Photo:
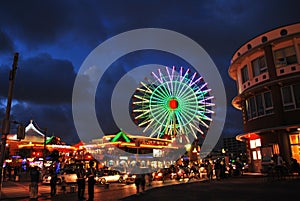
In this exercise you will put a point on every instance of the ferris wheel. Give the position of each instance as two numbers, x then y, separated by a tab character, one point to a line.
172	103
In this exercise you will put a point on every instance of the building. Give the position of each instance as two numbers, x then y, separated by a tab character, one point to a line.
123	150
267	74
234	148
36	148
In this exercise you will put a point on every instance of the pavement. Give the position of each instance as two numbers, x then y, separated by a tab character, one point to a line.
254	187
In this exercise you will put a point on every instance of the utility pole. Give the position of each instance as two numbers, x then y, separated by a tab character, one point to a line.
6	121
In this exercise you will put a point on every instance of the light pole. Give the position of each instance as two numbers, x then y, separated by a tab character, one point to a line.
6	122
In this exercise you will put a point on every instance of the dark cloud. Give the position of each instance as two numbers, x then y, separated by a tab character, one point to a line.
42	79
54	37
6	44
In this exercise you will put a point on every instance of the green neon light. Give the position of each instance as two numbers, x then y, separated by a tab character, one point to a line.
121	134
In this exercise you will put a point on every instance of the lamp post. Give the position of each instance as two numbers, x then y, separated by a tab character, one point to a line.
6	121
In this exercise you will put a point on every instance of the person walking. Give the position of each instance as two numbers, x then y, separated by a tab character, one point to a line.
91	180
64	185
209	171
139	180
53	182
81	181
34	181
217	168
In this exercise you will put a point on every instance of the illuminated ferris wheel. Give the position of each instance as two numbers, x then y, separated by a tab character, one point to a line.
173	103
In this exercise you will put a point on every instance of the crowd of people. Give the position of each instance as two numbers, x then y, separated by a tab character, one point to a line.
83	175
211	169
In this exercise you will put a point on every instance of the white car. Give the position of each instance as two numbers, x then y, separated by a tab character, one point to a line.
69	175
108	176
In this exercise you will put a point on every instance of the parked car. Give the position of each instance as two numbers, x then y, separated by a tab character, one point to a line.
46	179
108	176
163	174
69	175
129	178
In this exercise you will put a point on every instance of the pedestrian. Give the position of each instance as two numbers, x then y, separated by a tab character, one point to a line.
209	170
91	180
64	185
139	179
34	181
53	182
81	181
217	168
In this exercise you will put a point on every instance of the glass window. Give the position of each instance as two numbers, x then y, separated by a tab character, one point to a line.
245	76
258	142
295	146
285	56
248	109
259	105
254	155
258	154
259	66
296	90
287	98
252	107
268	102
252	144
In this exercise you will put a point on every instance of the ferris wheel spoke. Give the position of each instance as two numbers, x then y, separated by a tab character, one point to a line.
173	103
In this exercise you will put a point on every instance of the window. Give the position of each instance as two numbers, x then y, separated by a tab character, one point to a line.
258	155
285	56
252	107
255	143
295	146
254	155
252	144
296	90
259	105
245	76
259	66
291	97
268	102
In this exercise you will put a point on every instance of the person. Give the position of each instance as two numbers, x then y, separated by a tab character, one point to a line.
279	166
91	180
295	167
217	167
53	182
81	181
34	181
63	185
139	179
209	171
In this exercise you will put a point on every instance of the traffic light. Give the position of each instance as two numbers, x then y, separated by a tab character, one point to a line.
21	132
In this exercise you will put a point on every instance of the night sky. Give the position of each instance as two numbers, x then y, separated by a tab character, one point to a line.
54	37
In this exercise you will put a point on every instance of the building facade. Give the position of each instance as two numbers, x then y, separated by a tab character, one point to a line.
234	148
267	74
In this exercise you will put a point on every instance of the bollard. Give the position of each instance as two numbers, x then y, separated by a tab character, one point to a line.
17	178
72	189
106	186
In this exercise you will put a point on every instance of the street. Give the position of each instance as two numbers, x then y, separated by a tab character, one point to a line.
20	190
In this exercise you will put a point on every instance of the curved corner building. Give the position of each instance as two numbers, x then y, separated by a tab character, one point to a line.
267	74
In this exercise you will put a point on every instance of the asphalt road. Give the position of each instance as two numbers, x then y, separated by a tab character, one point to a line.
244	188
